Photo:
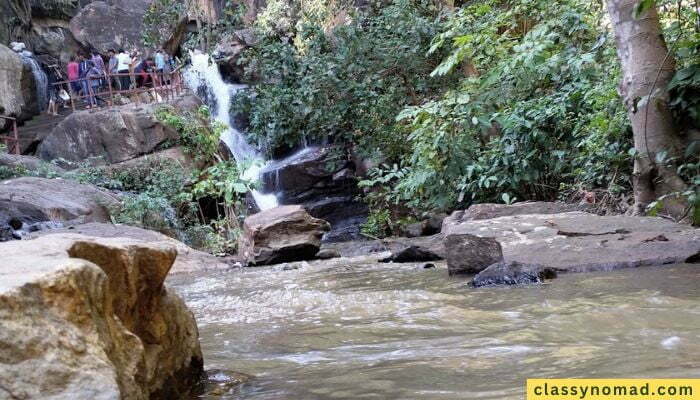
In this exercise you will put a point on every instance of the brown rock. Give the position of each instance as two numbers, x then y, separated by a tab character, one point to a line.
90	318
469	254
188	259
281	234
107	137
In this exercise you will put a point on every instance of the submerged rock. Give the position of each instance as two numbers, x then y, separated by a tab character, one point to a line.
412	254
469	254
90	318
281	234
327	254
513	273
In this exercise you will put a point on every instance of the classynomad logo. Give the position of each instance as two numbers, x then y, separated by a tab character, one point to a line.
613	389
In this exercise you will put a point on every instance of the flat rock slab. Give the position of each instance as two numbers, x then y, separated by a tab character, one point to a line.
188	259
582	242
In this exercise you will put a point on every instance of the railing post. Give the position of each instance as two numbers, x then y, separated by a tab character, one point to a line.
16	136
109	85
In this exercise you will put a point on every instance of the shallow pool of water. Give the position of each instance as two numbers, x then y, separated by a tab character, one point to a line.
356	330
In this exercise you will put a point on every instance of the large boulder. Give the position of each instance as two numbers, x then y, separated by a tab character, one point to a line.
582	242
109	136
91	318
188	259
17	86
281	234
59	199
321	180
116	24
470	254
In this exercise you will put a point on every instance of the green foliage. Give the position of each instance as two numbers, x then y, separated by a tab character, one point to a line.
540	110
160	19
197	134
344	83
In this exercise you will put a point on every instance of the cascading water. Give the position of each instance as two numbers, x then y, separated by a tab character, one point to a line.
203	77
40	78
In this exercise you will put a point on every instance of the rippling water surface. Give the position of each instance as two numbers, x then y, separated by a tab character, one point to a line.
354	330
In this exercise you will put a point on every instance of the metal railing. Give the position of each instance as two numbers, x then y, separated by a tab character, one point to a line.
12	142
92	91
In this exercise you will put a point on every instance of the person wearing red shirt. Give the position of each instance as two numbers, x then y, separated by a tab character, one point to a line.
73	75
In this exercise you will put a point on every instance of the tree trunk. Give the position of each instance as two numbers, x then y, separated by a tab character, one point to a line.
647	68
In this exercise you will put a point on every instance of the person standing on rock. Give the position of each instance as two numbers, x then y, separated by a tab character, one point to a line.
99	63
123	63
83	69
73	71
94	78
159	59
112	69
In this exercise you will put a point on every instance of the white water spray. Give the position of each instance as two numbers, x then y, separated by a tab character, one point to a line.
40	79
204	73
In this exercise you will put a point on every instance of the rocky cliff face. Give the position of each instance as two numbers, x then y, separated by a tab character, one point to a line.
90	318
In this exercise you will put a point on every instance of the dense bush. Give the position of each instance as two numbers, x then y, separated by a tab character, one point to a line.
344	84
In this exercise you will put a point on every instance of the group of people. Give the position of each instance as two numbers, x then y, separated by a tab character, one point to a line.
89	75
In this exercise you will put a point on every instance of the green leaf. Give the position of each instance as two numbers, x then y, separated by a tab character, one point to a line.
642	7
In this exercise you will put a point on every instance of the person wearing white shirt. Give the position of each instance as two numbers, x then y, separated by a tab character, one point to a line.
123	63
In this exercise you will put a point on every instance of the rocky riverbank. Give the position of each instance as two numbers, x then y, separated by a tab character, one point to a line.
86	318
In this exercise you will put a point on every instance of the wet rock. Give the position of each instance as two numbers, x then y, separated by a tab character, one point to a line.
413	230
17	219
221	383
60	199
583	242
469	254
188	259
320	179
513	273
327	254
412	254
281	234
91	318
490	211
105	137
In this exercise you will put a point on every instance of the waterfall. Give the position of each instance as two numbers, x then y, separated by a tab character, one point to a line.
204	78
40	79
